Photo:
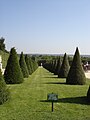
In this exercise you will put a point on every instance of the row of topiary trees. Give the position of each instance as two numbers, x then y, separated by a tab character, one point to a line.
15	72
74	74
17	69
58	66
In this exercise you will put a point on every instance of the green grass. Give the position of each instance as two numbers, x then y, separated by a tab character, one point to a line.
29	100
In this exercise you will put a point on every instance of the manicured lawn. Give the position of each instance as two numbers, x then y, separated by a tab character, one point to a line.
29	99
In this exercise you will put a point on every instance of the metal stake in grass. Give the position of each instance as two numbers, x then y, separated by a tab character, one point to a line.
52	106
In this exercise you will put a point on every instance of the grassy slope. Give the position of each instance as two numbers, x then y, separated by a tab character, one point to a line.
28	100
4	58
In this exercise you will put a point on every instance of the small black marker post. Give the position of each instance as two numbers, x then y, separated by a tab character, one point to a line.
52	106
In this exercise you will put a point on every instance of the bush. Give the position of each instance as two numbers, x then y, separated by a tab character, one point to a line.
76	73
54	66
63	72
13	72
4	92
31	66
88	94
58	66
23	66
27	63
35	65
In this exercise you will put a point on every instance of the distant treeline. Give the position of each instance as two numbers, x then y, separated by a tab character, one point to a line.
46	58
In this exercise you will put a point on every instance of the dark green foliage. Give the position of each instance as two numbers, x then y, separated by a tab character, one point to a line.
63	72
76	74
34	65
51	66
4	92
31	66
55	65
27	63
88	94
2	45
48	66
58	66
33	57
23	66
13	73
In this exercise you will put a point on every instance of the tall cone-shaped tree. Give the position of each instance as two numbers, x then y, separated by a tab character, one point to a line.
23	66
88	94
34	65
58	66
27	63
4	92
76	73
64	67
52	66
55	65
13	73
31	66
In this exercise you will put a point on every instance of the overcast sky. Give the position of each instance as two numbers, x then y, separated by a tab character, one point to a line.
46	26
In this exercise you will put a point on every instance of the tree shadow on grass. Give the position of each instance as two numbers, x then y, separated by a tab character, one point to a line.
74	100
55	83
51	77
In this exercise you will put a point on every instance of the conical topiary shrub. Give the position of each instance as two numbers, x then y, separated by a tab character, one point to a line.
64	67
76	73
31	66
88	94
58	66
4	92
23	66
13	73
27	63
54	67
35	65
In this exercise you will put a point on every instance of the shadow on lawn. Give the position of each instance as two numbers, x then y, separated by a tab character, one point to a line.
55	83
74	100
51	77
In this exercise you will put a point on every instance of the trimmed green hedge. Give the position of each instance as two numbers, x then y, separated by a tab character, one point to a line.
4	92
13	73
76	73
23	66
